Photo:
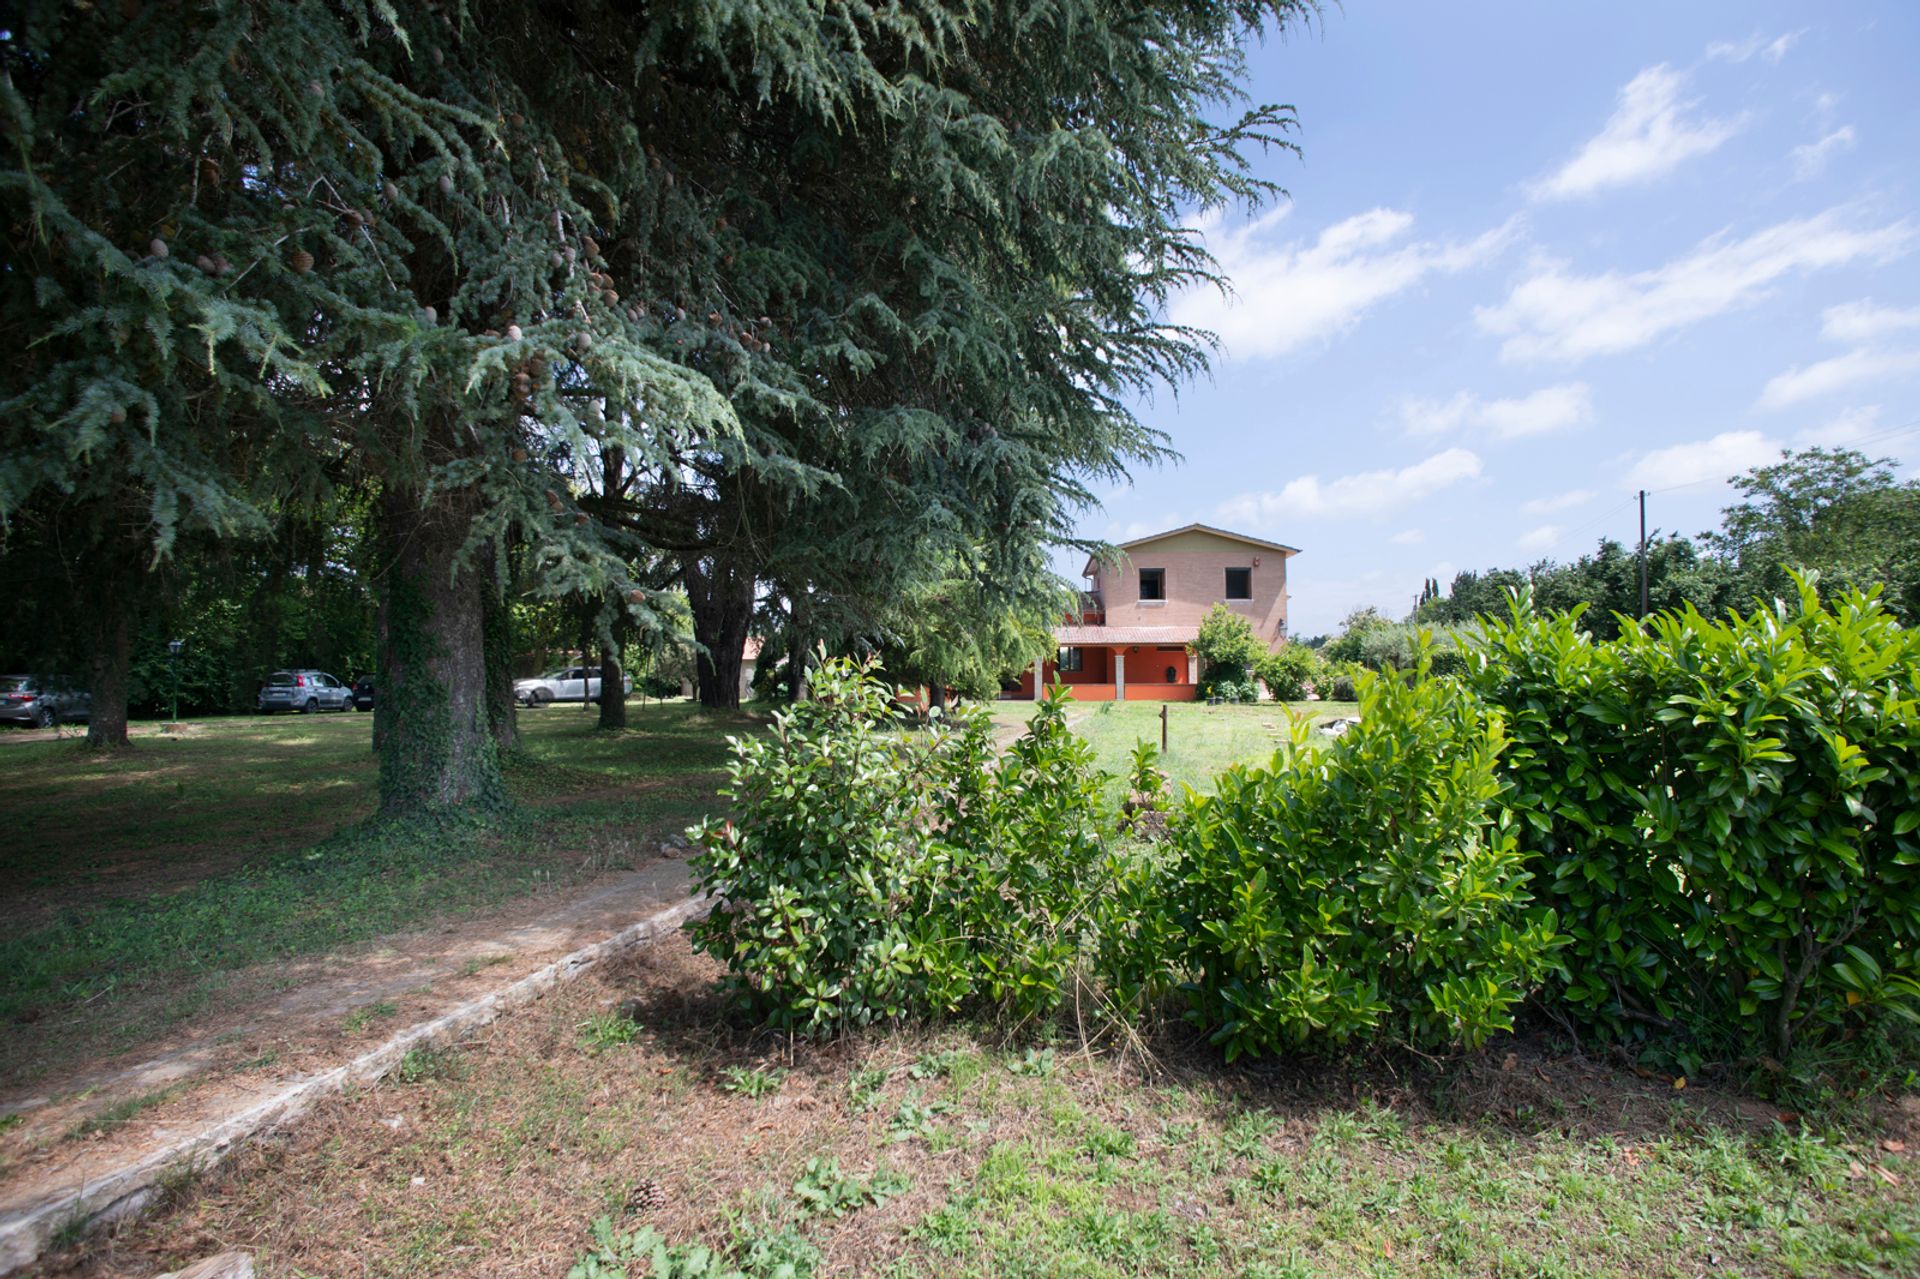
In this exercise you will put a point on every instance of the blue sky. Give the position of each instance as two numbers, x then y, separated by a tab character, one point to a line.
1538	256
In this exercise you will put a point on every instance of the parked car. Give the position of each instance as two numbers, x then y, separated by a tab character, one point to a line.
363	693
41	701
307	691
572	684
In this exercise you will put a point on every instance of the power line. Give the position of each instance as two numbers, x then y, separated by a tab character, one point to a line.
1594	522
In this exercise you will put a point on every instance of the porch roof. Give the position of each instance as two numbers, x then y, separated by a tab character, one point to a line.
1100	636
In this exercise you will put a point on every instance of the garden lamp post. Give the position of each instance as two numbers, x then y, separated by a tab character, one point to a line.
173	669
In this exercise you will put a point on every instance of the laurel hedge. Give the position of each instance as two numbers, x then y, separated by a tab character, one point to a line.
1704	829
1725	815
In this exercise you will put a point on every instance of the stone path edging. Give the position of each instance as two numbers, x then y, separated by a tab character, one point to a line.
134	1187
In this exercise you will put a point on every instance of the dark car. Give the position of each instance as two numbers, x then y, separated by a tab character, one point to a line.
41	701
304	691
363	693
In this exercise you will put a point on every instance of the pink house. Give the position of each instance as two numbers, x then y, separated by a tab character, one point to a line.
1139	617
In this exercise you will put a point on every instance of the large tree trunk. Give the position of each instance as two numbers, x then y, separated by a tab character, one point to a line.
720	594
436	744
503	712
796	666
109	655
613	689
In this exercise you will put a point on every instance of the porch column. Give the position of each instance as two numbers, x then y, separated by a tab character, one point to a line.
1119	675
1039	669
1193	667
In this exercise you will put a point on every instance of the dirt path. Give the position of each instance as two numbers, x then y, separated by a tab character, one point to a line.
223	1066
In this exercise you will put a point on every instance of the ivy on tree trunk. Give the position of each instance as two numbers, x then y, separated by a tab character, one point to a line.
613	691
437	748
497	639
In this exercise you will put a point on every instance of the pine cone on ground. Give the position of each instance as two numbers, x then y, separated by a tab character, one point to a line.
646	1198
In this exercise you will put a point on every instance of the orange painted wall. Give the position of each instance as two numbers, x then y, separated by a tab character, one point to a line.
1161	692
1146	677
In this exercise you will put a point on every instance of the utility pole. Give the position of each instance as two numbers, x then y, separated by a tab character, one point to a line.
1643	553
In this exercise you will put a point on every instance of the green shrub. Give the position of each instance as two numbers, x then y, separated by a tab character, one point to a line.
1390	646
1019	873
1726	814
821	862
1340	681
1230	690
1372	889
1228	650
870	874
1346	646
1290	672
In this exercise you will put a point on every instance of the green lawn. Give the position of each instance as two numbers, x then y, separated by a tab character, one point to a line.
1202	740
957	1153
134	884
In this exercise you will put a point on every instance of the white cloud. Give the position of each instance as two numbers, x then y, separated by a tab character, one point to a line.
1559	502
1549	409
1844	429
1118	532
1364	493
1437	417
1744	50
1410	537
1558	314
1725	455
1291	293
1823	377
1864	321
1539	539
1810	159
1647	137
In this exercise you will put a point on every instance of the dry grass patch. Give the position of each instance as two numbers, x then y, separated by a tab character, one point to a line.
956	1152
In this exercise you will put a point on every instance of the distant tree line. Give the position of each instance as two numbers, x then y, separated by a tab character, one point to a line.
1834	512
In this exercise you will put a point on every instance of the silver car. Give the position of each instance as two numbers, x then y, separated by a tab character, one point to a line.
306	691
41	701
571	684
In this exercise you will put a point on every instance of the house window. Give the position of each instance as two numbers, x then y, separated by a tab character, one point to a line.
1153	584
1069	659
1239	583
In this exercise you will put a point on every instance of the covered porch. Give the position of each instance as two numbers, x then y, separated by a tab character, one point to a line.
1124	664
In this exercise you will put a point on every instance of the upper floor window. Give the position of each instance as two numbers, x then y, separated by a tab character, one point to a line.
1153	584
1239	583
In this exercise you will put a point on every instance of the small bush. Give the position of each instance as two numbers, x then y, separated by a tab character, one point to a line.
1289	673
874	875
1372	889
1341	681
1228	650
1232	691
